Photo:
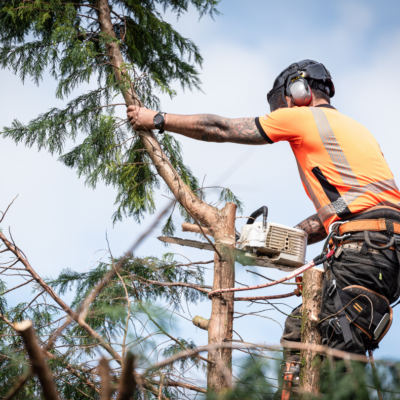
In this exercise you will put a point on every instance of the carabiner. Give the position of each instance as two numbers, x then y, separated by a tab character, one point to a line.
336	225
346	235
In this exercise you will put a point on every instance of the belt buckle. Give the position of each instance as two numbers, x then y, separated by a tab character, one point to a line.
332	288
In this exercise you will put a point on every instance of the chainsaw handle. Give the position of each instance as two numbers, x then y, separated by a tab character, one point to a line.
262	210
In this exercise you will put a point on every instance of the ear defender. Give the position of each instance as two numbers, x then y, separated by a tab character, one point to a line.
300	92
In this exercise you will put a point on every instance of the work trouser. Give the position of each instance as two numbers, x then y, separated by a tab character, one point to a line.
372	271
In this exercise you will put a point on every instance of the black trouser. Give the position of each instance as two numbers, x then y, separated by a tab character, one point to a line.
350	268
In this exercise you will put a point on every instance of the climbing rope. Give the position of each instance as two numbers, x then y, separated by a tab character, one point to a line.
316	261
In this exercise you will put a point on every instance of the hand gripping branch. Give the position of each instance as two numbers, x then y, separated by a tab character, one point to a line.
316	261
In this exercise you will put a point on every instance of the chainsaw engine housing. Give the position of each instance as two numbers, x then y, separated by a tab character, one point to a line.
274	245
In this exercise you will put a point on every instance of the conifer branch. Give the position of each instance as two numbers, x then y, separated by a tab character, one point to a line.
182	284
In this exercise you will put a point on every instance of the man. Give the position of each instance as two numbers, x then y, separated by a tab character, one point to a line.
345	175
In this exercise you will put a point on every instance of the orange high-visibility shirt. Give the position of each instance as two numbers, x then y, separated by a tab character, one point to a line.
340	163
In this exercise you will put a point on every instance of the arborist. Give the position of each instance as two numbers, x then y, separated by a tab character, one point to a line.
351	185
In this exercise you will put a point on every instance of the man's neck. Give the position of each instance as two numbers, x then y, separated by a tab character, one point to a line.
317	102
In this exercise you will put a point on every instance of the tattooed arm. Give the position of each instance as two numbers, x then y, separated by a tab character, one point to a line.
314	227
206	127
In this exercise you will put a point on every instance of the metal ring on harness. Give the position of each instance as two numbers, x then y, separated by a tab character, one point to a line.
375	246
335	226
334	233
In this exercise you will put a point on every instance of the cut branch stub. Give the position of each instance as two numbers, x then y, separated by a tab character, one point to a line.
186	227
104	372
201	322
128	382
39	366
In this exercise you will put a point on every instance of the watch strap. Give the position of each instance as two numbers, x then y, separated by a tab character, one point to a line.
160	127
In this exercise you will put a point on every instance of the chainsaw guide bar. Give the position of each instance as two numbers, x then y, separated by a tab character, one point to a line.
242	257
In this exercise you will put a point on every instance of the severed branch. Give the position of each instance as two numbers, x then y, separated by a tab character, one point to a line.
35	353
128	383
104	372
184	386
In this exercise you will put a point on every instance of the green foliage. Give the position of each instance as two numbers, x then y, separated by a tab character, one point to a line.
65	40
110	314
227	195
183	363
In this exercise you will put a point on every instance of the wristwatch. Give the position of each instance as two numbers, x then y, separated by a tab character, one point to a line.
159	121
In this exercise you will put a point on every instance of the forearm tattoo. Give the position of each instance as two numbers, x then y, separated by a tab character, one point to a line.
314	227
211	128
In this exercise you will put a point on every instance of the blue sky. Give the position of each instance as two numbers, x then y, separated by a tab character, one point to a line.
60	223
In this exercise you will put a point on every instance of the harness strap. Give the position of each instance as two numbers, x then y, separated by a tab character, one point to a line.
374	225
397	247
333	292
288	380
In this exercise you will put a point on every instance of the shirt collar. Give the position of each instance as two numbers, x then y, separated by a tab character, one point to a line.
326	106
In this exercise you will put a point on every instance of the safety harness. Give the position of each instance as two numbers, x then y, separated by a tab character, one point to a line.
365	309
291	371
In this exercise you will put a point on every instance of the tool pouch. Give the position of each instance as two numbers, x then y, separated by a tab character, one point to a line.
365	309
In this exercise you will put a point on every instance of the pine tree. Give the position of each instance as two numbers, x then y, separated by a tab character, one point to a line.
129	50
67	41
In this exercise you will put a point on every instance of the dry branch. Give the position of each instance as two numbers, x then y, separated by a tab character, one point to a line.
76	316
273	297
128	383
243	345
38	362
104	372
185	386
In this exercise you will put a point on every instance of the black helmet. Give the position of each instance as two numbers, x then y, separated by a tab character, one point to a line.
317	76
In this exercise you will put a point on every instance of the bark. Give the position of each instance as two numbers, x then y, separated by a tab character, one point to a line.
185	386
220	328
104	372
37	360
221	221
196	207
201	322
186	227
128	382
310	332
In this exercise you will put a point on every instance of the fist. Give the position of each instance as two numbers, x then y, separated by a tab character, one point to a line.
140	117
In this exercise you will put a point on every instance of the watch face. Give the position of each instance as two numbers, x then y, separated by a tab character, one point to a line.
158	119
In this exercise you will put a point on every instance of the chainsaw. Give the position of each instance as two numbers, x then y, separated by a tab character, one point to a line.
263	244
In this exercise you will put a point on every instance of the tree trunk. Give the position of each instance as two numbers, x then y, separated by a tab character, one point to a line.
310	332
220	328
220	222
